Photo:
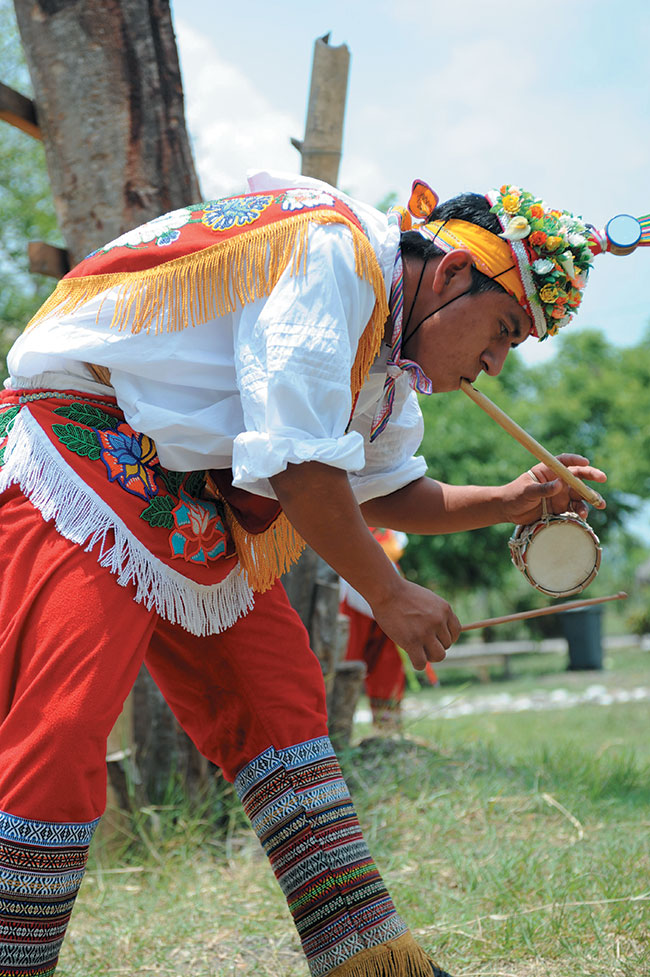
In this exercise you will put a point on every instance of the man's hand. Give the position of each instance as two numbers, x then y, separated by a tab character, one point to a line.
418	621
319	502
522	498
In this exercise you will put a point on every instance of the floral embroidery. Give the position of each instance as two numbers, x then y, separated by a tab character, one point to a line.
128	457
159	230
200	534
306	197
221	215
168	238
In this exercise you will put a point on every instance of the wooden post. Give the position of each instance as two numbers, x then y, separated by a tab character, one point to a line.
321	147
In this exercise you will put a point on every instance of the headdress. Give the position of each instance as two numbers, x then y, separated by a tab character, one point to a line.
542	256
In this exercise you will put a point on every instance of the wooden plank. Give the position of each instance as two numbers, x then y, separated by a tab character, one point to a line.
46	259
18	111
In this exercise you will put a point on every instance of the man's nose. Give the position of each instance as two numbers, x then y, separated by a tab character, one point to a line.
494	359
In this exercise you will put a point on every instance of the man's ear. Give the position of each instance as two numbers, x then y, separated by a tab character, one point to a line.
454	271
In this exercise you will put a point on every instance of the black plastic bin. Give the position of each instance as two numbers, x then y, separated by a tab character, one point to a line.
582	629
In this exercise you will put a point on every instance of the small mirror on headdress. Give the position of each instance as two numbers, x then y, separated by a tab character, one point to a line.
623	233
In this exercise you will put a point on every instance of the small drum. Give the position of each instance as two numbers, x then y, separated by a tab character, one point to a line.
559	555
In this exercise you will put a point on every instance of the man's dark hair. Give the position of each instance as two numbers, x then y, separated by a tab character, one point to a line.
471	207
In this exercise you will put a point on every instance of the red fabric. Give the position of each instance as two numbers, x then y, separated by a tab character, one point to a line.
197	545
210	224
385	678
72	642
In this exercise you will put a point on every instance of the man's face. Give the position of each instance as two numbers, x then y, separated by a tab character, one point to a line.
471	334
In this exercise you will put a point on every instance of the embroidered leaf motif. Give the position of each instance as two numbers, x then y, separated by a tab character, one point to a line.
89	415
195	484
172	480
159	512
6	420
83	443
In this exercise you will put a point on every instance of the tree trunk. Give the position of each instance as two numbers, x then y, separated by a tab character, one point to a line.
108	92
109	99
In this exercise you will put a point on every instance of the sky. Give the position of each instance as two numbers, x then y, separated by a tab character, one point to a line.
551	96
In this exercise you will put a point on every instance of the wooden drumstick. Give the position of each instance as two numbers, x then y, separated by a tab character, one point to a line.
570	605
535	448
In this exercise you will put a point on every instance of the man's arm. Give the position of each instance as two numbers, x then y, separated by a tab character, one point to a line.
318	501
428	507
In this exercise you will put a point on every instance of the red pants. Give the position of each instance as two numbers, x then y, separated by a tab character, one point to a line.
72	642
252	699
385	678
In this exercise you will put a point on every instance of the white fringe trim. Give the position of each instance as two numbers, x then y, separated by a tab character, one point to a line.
79	514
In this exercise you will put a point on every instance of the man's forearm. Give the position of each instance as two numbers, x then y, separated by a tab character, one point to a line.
319	502
428	507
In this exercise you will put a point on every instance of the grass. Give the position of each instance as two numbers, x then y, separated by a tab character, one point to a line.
513	844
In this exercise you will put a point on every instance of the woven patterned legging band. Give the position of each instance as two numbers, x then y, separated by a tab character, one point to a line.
41	867
301	810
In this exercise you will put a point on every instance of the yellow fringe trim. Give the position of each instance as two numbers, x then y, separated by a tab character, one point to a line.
397	958
265	556
214	282
211	282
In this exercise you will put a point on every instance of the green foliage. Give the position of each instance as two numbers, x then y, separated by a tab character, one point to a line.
25	201
593	398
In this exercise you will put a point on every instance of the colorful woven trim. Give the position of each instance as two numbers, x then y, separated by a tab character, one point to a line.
301	810
206	260
41	868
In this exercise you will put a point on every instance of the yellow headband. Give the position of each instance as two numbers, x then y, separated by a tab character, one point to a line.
490	253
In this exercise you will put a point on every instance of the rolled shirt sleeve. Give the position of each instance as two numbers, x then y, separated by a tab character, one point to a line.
293	354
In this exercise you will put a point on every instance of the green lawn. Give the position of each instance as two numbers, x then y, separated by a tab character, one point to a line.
514	844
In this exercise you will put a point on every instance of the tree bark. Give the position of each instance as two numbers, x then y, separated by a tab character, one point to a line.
108	92
109	103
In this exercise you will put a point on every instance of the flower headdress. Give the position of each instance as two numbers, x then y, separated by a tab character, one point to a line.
549	252
552	249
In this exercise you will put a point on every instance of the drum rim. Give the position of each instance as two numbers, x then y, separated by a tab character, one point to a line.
523	535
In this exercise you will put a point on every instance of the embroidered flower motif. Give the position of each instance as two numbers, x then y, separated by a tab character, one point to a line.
200	534
306	197
537	238
221	215
168	238
129	459
159	227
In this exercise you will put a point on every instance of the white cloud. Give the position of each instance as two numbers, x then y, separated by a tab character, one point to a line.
233	126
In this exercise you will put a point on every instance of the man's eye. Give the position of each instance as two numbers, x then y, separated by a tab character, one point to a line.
503	330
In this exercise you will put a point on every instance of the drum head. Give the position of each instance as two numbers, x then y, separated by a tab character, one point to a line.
562	557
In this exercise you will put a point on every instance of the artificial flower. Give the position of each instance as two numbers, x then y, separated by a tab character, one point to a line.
511	203
518	228
553	242
548	293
